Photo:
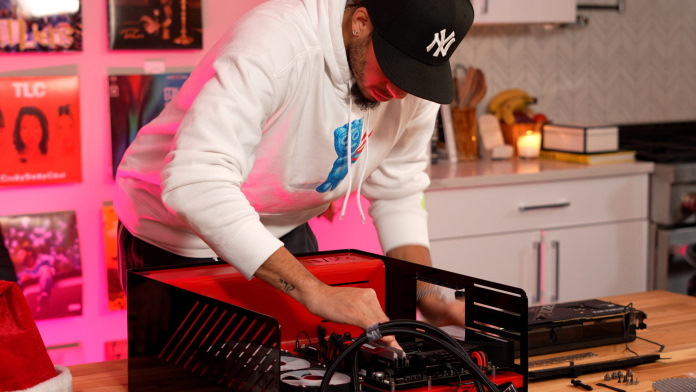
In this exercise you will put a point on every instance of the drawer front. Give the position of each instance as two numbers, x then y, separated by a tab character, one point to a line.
508	208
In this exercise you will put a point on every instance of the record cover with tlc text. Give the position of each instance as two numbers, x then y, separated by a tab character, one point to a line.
39	130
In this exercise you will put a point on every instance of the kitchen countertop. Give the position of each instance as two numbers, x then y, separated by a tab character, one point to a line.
517	171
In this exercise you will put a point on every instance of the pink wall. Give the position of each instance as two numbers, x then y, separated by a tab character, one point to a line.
97	325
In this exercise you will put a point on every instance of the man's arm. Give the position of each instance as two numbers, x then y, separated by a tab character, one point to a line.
344	305
436	309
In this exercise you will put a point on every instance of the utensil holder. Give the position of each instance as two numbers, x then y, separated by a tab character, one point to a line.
465	130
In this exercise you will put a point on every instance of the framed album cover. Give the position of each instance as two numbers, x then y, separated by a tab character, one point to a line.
45	251
40	26
155	24
39	130
135	100
115	349
116	296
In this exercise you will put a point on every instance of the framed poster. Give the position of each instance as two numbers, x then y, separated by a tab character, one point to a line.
135	100
40	26
155	24
39	130
45	250
115	349
67	354
116	296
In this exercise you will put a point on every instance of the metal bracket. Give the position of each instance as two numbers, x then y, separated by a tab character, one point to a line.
583	20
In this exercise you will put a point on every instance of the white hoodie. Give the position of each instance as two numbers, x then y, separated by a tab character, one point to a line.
254	145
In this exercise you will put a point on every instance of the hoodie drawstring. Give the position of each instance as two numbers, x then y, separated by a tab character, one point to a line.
349	157
348	161
364	166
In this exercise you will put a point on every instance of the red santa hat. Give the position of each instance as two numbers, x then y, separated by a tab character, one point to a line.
24	361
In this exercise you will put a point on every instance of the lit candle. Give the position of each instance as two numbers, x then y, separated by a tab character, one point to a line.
528	144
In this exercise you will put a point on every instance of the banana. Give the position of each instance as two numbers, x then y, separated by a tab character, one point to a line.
506	111
519	103
497	101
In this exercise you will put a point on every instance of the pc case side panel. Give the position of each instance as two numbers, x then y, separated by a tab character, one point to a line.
181	341
493	311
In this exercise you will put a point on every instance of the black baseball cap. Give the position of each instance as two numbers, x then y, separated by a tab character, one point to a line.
414	39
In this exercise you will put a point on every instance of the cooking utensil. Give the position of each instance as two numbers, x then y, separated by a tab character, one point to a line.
466	87
459	75
470	86
479	90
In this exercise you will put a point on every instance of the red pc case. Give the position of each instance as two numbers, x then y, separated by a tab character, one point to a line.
206	327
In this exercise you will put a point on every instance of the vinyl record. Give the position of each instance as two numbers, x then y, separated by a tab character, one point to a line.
310	380
288	362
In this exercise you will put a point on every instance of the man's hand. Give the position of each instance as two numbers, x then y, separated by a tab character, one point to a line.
349	305
441	312
436	309
344	305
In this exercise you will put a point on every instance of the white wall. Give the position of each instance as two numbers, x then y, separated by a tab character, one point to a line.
637	66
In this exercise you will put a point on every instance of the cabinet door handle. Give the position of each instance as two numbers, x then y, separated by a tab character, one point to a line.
557	246
562	204
537	246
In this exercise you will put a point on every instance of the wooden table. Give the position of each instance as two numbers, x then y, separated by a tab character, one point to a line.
671	321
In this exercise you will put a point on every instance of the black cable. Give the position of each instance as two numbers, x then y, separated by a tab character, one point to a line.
629	308
297	339
355	373
626	326
459	376
662	346
426	326
394	328
437	331
442	335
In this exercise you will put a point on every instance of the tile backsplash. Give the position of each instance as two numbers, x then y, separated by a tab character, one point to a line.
632	67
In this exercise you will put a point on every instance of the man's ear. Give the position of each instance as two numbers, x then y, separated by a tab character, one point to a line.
360	23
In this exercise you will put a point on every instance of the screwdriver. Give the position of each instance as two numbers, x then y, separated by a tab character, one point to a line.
610	387
580	384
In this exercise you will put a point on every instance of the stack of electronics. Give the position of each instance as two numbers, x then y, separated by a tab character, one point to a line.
206	327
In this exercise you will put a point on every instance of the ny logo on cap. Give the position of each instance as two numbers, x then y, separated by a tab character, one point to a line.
443	44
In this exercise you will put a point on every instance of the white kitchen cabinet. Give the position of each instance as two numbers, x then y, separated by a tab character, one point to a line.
559	240
524	11
508	258
595	261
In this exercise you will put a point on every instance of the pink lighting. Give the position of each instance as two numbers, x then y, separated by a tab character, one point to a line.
98	333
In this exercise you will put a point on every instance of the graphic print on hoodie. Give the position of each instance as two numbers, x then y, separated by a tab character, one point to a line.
340	166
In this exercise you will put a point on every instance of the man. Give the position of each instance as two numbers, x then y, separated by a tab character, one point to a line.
300	103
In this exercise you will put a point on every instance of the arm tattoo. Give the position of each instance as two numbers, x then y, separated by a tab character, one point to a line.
287	286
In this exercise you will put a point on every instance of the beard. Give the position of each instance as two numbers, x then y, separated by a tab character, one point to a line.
357	61
360	100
